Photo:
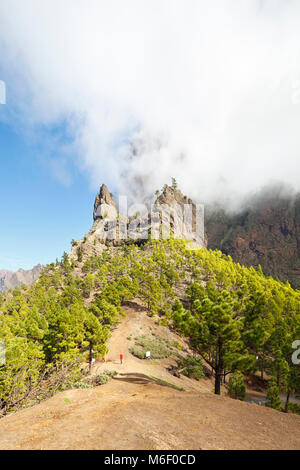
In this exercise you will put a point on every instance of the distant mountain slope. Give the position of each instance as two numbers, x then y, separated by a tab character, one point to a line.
10	279
265	233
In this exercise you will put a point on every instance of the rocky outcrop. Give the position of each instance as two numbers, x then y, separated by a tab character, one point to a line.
265	233
104	206
172	214
10	279
186	219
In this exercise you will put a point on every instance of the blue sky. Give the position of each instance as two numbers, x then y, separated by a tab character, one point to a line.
40	214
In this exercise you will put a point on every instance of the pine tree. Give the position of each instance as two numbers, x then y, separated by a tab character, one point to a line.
215	332
79	254
273	398
236	386
96	336
174	184
235	314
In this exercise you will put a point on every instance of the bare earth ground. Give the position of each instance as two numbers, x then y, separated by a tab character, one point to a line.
139	410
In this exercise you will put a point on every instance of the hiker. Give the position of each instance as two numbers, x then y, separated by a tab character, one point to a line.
121	358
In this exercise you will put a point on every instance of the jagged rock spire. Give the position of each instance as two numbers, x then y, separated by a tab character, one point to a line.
104	204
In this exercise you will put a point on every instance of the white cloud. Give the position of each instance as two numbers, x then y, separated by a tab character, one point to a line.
2	92
206	91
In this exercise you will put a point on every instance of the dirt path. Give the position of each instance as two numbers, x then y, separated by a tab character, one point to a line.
134	324
136	410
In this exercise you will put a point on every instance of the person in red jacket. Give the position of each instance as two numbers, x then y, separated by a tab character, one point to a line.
121	358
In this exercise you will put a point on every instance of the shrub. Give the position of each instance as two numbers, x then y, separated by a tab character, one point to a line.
273	398
104	377
193	367
158	348
294	408
237	388
78	385
137	352
162	322
101	379
38	384
79	254
176	345
110	373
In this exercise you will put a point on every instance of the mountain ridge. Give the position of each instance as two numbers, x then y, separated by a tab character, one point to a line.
266	233
13	279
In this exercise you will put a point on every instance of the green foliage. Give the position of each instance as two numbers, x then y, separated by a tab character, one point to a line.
236	318
137	352
176	344
236	386
215	331
104	377
46	327
78	385
79	254
158	347
174	183
294	408
273	398
193	367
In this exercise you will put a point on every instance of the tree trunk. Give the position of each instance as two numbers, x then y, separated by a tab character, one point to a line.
218	378
262	369
90	357
278	377
219	369
286	406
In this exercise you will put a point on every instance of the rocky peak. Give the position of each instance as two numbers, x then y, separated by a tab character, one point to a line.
104	204
172	196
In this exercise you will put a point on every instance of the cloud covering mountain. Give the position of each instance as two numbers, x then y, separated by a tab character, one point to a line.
208	92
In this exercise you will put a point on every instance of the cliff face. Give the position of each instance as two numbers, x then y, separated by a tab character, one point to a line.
267	233
10	279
